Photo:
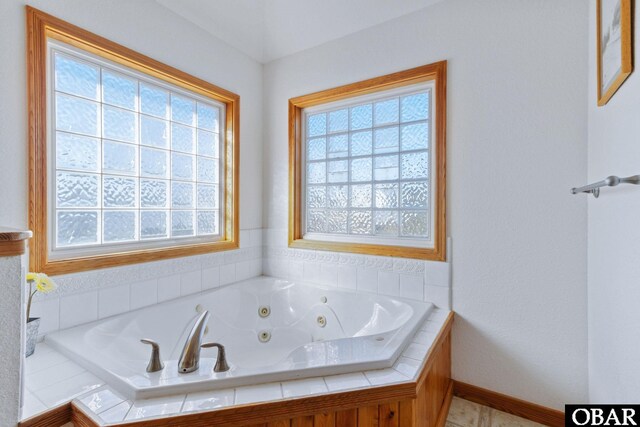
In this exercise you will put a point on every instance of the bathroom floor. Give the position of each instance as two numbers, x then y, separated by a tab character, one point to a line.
469	414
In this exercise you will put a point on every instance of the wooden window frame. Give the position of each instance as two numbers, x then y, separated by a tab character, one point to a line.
40	28
436	72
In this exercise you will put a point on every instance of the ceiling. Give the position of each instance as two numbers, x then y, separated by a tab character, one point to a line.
270	29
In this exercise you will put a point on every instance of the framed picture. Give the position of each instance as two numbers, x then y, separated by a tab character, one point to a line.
615	61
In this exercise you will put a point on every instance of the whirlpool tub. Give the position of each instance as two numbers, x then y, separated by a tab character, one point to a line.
309	331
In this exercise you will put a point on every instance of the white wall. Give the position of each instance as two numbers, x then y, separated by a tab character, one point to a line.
516	144
614	238
151	29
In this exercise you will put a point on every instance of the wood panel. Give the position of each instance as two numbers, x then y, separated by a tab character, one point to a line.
279	423
512	405
56	417
325	419
348	418
444	411
13	242
389	414
306	421
368	416
12	247
80	419
408	415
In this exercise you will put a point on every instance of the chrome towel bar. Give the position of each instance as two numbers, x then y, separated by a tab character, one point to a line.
610	181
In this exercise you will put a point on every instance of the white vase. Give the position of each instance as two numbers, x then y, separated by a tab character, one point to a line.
33	324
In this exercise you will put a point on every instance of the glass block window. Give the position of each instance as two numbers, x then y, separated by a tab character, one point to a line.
367	172
136	159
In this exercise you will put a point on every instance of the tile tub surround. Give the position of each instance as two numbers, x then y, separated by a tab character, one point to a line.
105	406
92	295
400	277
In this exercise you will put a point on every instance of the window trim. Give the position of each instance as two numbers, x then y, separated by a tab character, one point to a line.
40	28
436	72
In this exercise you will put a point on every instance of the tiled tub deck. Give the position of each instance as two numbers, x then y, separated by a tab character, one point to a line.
52	380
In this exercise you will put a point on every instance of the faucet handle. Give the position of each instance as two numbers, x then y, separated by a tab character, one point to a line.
221	362
155	364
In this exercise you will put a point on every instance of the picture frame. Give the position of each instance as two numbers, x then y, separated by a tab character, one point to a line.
614	46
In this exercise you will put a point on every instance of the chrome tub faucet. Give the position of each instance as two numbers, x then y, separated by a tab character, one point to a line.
221	361
190	358
155	364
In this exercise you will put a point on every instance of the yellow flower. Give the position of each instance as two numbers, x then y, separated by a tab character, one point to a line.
43	283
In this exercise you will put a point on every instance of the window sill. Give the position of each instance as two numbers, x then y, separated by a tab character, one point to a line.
429	254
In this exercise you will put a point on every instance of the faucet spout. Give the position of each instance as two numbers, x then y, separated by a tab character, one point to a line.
190	358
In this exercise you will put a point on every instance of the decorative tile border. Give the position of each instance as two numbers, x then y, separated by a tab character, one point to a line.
408	278
102	293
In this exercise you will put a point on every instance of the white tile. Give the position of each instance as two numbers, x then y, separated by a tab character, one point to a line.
227	274
101	400
144	293
245	240
248	269
78	308
45	348
328	275
347	276
367	279
346	381
155	407
49	313
210	278
406	366
112	301
296	270
208	400
117	413
257	267
438	315
258	393
311	271
430	326
191	282
168	287
276	267
437	273
465	413
43	358
503	419
385	376
267	267
31	405
438	295
424	338
256	237
416	351
66	390
304	387
53	375
411	286
389	283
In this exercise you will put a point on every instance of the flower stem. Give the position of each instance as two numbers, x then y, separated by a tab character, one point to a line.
31	294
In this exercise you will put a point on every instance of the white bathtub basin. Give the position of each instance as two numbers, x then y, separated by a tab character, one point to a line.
362	332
